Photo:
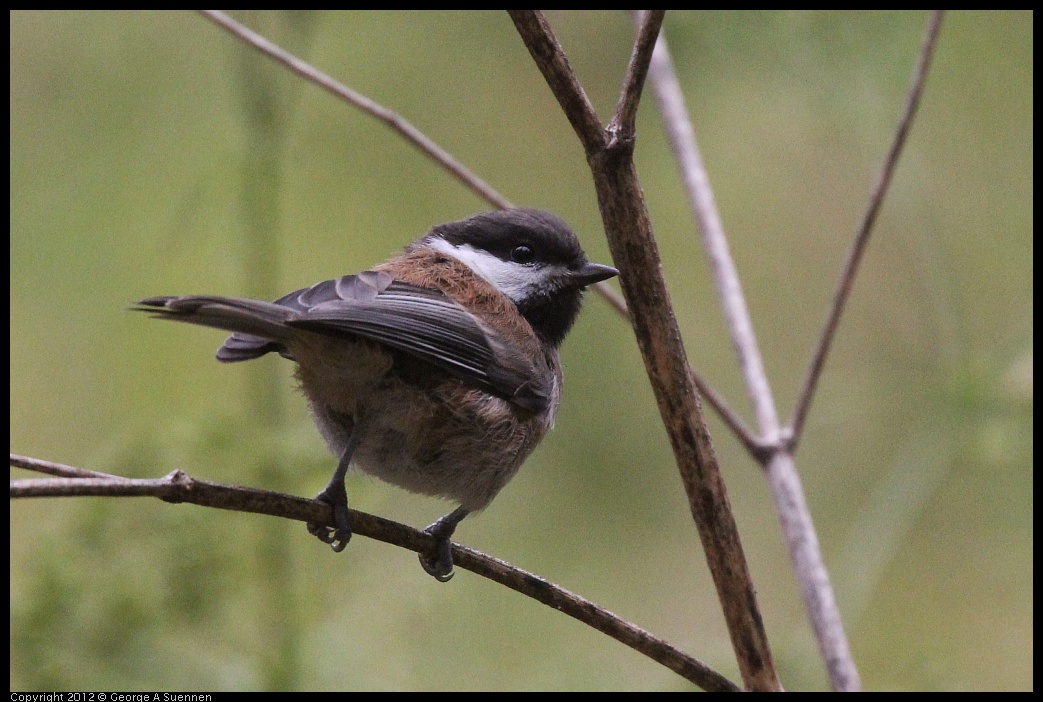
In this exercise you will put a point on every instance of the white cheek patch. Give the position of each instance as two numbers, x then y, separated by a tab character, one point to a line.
514	280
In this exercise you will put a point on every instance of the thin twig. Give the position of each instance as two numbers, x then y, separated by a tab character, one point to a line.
59	469
612	298
550	59
389	117
682	139
636	254
622	124
179	487
854	258
787	492
816	590
755	445
757	448
394	120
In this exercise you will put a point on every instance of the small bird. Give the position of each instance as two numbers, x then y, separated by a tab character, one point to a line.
436	371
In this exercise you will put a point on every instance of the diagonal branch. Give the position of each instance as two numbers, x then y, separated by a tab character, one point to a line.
854	258
622	126
775	453
178	487
394	120
636	254
389	117
682	139
787	492
756	447
623	123
550	59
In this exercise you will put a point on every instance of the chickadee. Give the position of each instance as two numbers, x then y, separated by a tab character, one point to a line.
437	371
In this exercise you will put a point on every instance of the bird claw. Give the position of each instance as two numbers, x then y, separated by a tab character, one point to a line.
439	561
336	536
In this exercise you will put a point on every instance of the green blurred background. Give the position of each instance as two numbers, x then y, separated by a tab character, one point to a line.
150	152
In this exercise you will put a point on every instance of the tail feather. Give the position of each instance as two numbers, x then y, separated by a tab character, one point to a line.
258	327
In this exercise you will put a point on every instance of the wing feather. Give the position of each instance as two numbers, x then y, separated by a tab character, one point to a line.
421	322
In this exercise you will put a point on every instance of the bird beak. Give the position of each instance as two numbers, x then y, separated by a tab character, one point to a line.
591	273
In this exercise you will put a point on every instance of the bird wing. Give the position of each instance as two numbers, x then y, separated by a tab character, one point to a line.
421	322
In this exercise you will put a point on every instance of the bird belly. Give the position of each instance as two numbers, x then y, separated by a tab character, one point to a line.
445	441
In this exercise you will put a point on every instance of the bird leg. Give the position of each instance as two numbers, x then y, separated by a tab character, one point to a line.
438	562
335	495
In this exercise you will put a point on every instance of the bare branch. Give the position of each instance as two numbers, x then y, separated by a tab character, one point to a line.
550	59
178	486
636	254
59	469
681	135
612	298
784	481
622	124
661	82
594	615
392	119
757	448
854	258
815	587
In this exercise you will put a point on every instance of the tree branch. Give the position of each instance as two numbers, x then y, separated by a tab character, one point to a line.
394	120
681	136
858	247
798	529
636	254
550	59
389	117
178	486
623	123
730	417
777	444
787	492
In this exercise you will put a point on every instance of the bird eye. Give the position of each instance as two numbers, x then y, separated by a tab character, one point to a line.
523	254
